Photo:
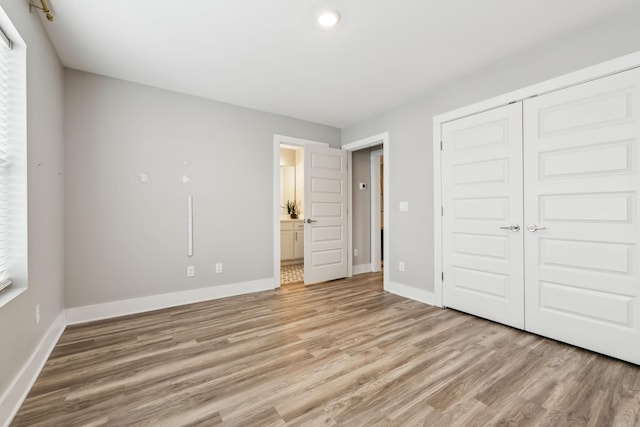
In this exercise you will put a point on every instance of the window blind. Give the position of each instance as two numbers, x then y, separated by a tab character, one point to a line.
5	160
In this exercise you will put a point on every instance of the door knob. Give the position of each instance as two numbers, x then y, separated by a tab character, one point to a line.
514	227
309	220
533	227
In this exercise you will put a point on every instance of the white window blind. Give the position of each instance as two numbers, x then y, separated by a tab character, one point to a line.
5	160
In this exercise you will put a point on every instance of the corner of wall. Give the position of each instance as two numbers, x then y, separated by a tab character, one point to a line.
18	390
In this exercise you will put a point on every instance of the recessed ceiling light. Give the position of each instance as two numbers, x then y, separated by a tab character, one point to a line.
328	18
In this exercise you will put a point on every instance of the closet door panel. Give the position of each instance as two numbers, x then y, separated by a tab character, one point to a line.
482	191
581	152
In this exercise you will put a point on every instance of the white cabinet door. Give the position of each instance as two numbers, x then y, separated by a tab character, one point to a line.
325	205
482	197
286	245
582	154
298	245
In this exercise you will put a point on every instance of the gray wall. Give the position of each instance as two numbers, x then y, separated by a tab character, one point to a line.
126	239
361	199
18	332
411	134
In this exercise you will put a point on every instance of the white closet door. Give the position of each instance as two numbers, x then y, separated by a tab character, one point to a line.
482	198
582	156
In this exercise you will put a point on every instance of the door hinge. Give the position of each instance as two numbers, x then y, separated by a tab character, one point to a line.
440	145
443	276
441	210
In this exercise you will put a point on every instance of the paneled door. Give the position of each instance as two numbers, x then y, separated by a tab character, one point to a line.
325	211
581	215
482	251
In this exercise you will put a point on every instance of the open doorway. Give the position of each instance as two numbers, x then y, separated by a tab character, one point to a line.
367	209
291	214
323	218
369	206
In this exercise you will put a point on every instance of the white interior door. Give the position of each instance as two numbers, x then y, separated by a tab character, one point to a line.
482	253
325	212
581	178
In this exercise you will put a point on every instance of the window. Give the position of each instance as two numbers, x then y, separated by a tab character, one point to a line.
5	159
13	162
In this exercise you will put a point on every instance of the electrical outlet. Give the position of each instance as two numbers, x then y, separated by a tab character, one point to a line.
404	206
191	271
37	313
355	252
401	266
218	267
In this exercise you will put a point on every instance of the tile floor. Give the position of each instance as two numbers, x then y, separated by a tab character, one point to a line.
291	274
295	273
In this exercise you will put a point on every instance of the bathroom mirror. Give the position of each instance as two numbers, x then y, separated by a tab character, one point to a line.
287	185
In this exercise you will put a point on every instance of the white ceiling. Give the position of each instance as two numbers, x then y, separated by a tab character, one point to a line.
270	55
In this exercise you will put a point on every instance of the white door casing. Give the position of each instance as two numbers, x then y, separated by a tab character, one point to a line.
482	257
325	204
582	183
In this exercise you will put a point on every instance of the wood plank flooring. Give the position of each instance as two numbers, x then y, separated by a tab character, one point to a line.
341	353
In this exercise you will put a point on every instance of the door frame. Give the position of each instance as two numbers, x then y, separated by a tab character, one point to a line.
375	208
594	72
372	141
277	141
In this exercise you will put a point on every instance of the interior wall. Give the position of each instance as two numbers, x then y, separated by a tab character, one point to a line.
361	205
411	131
18	331
126	238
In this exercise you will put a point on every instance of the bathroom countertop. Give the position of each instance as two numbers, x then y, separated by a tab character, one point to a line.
288	219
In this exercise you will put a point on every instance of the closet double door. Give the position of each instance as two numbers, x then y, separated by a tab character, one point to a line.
540	215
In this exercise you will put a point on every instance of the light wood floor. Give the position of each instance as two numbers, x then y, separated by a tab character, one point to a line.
342	353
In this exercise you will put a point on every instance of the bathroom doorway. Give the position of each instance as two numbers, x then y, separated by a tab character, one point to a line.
291	214
323	212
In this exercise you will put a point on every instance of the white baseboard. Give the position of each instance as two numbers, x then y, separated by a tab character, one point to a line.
13	397
90	313
410	292
361	268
